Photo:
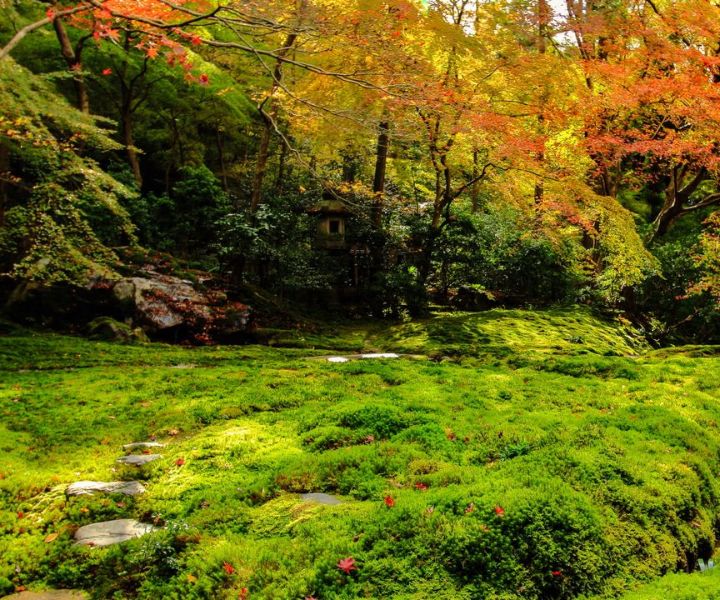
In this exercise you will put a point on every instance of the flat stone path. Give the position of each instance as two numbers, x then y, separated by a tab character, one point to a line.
138	459
135	445
321	498
111	532
367	356
87	488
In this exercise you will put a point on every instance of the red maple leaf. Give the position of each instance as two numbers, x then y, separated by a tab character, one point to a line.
556	573
499	511
421	486
228	568
347	565
204	79
180	462
389	502
195	40
107	72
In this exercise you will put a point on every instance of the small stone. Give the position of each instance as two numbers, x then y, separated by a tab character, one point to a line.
108	533
320	498
143	445
337	359
139	459
87	488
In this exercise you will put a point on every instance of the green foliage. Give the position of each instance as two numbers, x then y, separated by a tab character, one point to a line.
66	211
708	259
274	247
671	310
499	250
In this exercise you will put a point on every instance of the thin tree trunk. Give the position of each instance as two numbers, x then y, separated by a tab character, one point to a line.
221	157
475	188
280	181
383	144
268	124
72	58
4	167
129	142
543	22
261	164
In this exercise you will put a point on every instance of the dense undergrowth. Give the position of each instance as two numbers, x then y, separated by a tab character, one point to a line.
527	455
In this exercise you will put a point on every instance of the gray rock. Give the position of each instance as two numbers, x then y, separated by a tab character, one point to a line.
337	359
321	498
48	595
143	445
157	301
87	488
108	533
138	459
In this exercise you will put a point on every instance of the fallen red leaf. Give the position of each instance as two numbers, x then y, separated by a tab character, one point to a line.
228	568
180	462
389	502
347	564
499	511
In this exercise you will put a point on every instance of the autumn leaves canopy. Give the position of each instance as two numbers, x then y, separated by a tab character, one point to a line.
553	109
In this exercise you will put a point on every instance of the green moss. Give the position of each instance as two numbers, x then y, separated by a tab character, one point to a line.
604	466
699	586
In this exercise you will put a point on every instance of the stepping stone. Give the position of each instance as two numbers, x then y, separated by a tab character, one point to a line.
380	355
87	488
337	359
143	445
108	533
321	498
48	595
138	459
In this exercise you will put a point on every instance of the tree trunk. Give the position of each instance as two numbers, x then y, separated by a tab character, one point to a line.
280	181
268	120
4	196
475	188
543	21
677	195
261	165
221	157
72	58
383	144
129	142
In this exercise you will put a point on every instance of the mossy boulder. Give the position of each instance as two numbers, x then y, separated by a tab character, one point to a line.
111	330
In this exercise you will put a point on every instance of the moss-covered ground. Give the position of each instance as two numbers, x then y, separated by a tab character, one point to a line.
523	455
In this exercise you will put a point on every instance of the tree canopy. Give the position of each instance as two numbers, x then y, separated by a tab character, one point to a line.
589	129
